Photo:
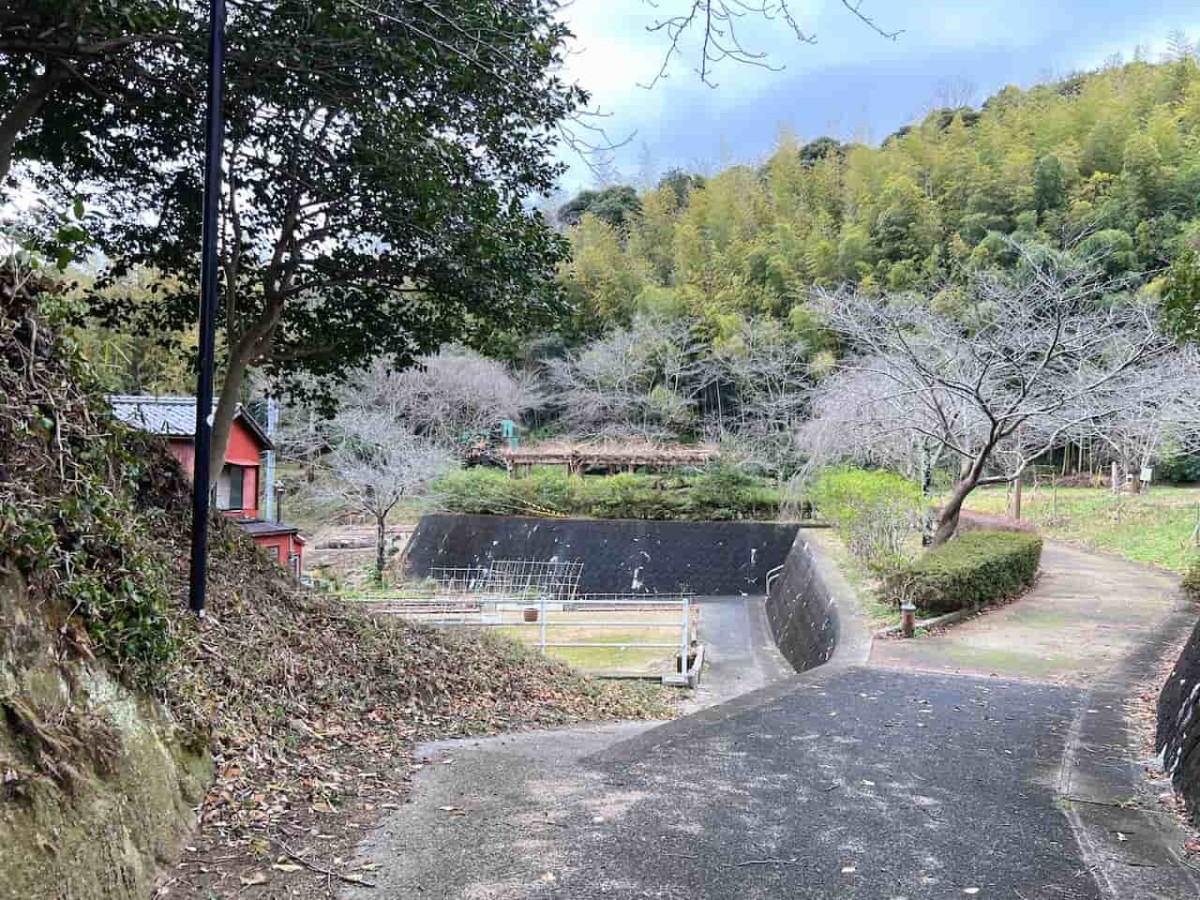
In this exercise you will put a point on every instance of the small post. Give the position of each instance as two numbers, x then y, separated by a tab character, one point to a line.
908	618
1017	499
683	649
542	620
1116	484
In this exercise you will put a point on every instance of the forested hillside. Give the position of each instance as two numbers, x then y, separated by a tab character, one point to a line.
1106	163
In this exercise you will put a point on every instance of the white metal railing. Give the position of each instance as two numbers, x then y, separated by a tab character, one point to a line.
671	613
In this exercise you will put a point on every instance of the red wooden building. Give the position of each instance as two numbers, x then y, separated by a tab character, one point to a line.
239	485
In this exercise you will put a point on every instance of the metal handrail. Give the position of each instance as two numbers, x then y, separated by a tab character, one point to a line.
773	574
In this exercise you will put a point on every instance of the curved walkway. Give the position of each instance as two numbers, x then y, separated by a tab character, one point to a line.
1083	616
912	777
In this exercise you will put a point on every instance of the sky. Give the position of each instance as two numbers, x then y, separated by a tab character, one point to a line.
851	83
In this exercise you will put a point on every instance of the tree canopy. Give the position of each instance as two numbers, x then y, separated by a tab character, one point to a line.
377	161
1106	163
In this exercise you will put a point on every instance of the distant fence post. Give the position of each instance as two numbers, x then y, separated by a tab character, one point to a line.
683	644
542	619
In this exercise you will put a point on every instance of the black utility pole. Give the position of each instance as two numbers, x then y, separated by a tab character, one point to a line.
215	127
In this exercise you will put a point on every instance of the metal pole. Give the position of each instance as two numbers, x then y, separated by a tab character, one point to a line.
683	649
269	475
214	131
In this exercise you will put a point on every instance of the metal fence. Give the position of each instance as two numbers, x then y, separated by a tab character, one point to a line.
511	578
549	620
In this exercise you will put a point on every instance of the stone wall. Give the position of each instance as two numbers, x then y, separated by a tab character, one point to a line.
97	784
618	555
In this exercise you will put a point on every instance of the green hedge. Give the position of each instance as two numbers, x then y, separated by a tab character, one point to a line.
721	493
1191	581
976	568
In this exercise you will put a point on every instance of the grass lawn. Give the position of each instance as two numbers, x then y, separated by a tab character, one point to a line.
659	627
879	614
1154	528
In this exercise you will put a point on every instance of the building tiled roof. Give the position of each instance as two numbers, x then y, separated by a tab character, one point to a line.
259	527
174	416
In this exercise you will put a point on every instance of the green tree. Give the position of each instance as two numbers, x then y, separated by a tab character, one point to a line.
378	158
75	73
1049	184
618	205
1181	297
601	279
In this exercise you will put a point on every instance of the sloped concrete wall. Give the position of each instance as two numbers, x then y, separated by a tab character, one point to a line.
804	616
1178	738
619	555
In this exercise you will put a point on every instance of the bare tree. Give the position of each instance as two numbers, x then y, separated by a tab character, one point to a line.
631	383
375	463
1161	407
452	393
1039	352
756	386
654	380
718	23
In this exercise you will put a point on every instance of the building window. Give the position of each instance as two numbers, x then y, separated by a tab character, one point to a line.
229	488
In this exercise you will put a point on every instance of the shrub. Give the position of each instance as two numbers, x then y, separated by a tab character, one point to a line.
875	512
1191	580
486	491
629	496
721	493
976	568
1180	468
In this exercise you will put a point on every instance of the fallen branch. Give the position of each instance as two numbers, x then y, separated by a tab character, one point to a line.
328	873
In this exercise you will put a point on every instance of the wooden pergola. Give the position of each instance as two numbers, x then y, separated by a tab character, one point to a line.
626	456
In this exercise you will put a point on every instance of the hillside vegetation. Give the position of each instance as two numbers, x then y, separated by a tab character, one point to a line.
305	710
1107	163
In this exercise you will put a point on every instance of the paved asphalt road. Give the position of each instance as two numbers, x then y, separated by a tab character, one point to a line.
867	784
850	781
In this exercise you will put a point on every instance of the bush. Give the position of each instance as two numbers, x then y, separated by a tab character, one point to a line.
1180	468
721	493
483	491
629	496
724	493
875	511
1191	581
976	568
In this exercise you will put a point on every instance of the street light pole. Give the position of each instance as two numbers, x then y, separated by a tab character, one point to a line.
214	127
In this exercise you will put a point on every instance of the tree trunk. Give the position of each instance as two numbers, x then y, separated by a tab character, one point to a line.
23	111
380	547
926	492
948	520
227	403
1017	500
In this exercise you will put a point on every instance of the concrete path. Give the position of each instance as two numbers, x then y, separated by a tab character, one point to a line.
1084	615
912	777
740	655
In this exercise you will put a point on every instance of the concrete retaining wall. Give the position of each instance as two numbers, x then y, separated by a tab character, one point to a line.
1178	738
803	615
619	555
